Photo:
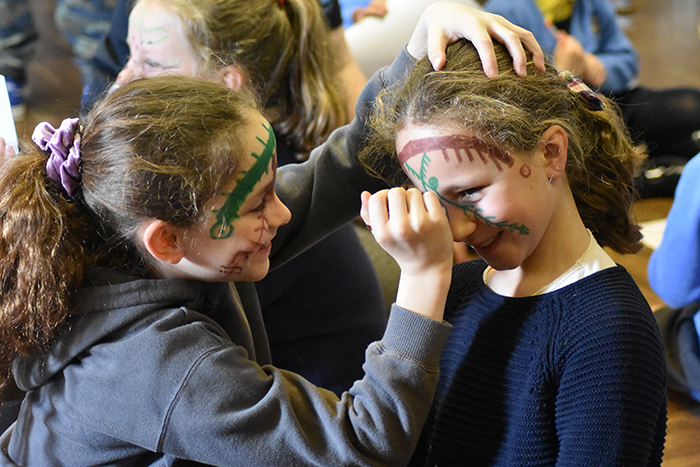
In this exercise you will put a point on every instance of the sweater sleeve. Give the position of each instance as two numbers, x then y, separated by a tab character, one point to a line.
611	401
594	24
278	418
674	267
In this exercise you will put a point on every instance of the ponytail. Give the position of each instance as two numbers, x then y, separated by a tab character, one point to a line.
42	257
156	148
601	175
316	103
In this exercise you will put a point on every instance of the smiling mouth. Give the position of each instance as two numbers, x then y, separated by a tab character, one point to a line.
265	249
488	242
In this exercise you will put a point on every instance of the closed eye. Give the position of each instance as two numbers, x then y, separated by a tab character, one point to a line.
262	205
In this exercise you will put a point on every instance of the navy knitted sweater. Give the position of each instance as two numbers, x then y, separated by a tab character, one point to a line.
571	377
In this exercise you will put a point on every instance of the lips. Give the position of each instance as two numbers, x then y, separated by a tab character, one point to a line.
486	243
265	249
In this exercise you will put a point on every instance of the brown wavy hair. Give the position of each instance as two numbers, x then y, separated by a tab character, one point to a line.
156	148
513	112
285	53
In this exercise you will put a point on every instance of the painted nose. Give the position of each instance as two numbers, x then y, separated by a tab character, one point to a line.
279	214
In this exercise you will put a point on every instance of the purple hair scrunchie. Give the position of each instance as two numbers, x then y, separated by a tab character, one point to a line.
63	166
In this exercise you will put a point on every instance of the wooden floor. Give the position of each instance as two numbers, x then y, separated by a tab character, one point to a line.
666	35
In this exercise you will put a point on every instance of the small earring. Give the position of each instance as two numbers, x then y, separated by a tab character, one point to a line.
550	178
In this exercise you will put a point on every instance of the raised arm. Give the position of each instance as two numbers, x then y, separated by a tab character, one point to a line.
412	227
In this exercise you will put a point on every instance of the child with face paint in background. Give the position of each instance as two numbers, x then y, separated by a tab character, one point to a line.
555	356
126	255
325	306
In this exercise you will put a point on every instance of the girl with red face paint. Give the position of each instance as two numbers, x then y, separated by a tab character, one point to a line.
555	356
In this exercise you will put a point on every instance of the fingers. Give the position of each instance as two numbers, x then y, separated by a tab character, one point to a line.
516	40
445	22
375	211
364	209
398	213
433	205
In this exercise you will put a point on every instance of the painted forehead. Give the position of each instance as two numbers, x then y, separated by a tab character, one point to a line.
140	32
263	162
457	146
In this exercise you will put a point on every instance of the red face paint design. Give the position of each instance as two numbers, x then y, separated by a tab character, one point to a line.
470	146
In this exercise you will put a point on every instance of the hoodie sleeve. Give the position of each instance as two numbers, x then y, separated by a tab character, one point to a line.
278	418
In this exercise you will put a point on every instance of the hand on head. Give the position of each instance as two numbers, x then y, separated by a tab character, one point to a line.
445	22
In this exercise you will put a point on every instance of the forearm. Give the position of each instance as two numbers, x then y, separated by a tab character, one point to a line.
377	422
425	293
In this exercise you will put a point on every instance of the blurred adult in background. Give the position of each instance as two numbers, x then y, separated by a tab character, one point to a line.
584	37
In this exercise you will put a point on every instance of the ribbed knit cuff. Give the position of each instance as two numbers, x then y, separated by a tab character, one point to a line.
415	336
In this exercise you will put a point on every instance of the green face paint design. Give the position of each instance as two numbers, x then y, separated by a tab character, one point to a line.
149	36
468	209
228	213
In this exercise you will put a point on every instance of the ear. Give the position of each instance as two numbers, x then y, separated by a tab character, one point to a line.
161	241
232	77
554	145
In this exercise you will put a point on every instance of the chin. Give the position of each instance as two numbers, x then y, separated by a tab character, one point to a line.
257	273
501	264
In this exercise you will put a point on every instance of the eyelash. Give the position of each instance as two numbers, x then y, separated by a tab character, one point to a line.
469	193
263	204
